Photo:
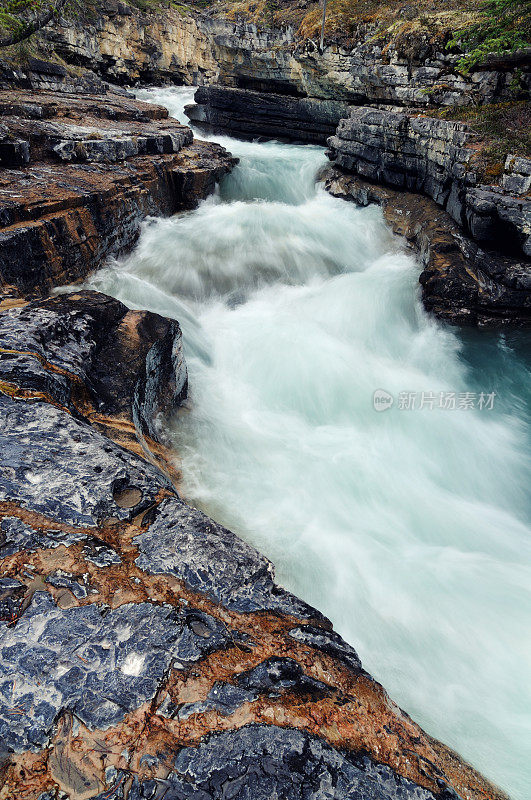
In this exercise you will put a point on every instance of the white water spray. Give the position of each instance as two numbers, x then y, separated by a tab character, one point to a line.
408	528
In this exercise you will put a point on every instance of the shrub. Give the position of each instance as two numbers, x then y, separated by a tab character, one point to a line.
505	26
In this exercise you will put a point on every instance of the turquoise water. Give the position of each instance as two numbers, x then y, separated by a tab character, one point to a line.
408	528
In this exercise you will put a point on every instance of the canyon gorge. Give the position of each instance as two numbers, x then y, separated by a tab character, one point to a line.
215	552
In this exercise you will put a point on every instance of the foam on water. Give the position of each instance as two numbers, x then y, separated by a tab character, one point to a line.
409	529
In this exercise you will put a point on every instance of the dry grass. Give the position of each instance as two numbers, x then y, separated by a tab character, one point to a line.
351	20
255	11
390	21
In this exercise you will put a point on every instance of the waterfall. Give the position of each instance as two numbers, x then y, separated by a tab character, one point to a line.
407	526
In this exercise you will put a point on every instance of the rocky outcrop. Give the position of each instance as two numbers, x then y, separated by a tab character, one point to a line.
86	353
461	283
38	74
126	46
437	158
249	114
146	651
477	271
81	173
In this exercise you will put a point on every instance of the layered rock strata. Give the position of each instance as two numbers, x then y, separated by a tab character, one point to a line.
478	271
126	46
146	650
269	84
249	114
38	74
437	158
81	173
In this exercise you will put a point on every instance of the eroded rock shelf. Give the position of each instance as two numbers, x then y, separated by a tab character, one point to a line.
81	173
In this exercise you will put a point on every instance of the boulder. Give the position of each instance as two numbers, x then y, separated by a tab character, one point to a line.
250	114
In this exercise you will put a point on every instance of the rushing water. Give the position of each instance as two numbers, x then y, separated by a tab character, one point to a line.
408	528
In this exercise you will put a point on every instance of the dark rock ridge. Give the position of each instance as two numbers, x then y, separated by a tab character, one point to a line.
78	174
145	650
249	114
38	74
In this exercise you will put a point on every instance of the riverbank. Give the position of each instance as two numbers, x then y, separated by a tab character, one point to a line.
80	173
184	646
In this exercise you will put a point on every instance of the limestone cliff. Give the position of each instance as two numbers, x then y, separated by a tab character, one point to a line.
183	46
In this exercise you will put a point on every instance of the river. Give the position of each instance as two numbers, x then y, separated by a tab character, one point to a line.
408	526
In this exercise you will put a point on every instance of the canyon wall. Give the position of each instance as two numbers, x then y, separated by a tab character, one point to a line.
436	157
172	45
477	271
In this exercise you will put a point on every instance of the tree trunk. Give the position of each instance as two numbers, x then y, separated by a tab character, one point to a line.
323	27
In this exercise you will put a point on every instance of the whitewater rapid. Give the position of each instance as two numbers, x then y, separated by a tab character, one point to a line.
409	528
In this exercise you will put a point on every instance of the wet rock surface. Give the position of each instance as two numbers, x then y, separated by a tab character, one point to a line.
86	355
79	174
187	544
98	665
145	650
64	484
277	763
250	114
